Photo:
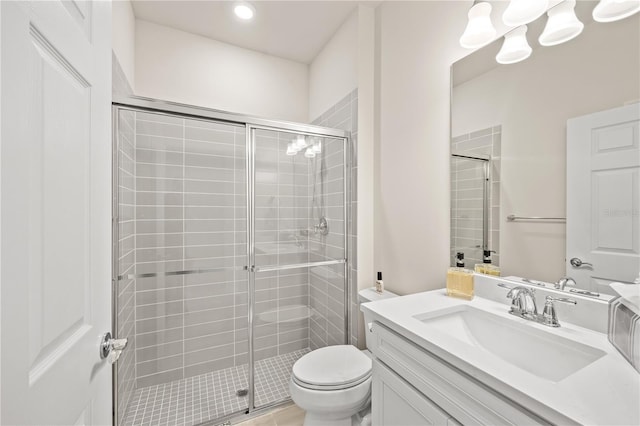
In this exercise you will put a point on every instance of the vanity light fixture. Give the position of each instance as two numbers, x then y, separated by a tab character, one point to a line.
562	25
521	12
311	146
291	149
317	146
479	31
300	142
515	47
614	10
244	11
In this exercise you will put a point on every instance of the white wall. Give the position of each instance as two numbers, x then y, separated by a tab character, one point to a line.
418	41
366	151
334	72
123	37
532	101
182	67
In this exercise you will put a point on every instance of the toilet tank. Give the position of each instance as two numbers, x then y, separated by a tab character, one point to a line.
371	295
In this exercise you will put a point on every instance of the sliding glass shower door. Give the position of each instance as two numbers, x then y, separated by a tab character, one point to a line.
298	251
229	259
182	283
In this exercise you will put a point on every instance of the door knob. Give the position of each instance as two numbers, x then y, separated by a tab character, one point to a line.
576	263
111	348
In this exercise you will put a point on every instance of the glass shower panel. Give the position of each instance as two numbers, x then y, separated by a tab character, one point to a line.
299	191
190	329
299	198
468	176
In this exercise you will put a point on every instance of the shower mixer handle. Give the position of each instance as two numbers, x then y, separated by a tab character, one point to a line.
322	227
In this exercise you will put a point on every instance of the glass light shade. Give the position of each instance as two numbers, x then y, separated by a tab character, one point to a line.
479	31
317	147
614	10
300	142
520	12
309	153
515	47
244	11
562	25
291	149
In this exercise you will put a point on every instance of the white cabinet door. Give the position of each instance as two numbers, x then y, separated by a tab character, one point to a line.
395	402
603	197
55	211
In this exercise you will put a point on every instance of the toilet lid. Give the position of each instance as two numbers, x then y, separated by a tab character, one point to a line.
332	366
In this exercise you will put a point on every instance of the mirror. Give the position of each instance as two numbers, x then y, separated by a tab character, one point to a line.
518	115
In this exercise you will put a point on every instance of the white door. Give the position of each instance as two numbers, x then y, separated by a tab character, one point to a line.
55	211
603	197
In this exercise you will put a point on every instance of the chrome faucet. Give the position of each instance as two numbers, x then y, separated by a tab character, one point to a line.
523	305
523	302
563	282
568	281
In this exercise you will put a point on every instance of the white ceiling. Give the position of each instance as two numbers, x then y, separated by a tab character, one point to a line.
295	30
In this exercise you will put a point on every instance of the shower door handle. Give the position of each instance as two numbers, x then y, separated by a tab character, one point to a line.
112	348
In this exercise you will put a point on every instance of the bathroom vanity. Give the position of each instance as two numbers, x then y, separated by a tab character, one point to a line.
445	361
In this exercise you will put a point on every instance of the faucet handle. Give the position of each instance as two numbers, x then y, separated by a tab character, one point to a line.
549	316
522	301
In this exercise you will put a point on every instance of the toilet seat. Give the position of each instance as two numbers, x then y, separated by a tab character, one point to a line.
332	368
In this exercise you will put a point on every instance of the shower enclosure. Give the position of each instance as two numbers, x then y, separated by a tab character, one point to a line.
229	258
469	207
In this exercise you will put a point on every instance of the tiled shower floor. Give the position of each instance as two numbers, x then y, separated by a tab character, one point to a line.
210	396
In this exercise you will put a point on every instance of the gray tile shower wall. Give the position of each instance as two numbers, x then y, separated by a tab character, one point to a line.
189	215
281	322
126	246
326	289
466	195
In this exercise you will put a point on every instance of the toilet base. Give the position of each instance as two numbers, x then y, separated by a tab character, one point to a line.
363	418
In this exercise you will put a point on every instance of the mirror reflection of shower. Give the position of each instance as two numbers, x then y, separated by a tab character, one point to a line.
311	147
470	199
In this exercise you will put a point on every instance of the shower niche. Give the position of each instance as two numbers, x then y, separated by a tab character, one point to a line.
229	258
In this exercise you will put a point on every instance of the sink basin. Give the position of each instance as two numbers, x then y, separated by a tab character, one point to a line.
518	343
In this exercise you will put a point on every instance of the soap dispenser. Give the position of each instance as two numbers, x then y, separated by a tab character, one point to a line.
486	267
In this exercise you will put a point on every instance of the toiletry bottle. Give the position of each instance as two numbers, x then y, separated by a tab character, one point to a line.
460	283
379	283
460	260
486	267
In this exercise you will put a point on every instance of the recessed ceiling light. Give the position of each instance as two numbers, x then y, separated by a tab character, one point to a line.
244	11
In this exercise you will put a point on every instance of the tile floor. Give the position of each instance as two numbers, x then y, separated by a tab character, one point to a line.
210	396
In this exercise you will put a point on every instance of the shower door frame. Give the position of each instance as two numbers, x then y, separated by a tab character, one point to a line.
486	168
251	124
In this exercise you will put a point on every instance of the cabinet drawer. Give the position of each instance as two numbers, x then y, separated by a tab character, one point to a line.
395	402
465	399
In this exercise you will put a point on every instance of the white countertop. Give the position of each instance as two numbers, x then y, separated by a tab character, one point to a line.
606	392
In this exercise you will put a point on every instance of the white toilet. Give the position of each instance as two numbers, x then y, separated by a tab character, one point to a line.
333	384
